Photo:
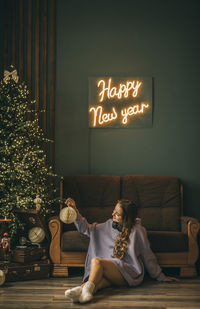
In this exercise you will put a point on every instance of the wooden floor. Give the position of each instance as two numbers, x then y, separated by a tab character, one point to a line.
49	293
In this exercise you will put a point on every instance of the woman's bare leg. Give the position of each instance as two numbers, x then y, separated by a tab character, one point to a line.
104	283
104	273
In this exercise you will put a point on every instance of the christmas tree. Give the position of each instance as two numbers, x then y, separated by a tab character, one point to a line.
24	173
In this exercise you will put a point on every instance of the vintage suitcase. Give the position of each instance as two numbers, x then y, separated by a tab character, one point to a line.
27	254
29	271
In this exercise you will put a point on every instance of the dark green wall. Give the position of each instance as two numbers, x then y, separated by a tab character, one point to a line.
136	38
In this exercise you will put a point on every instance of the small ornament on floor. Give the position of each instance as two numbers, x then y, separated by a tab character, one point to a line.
2	277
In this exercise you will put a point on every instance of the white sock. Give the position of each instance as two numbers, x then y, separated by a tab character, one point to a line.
74	293
87	291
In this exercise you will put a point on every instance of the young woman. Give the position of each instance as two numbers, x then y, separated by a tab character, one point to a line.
118	252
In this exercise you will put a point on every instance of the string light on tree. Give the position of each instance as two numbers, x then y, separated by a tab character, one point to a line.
24	172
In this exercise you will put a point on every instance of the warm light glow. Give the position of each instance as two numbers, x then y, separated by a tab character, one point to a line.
101	117
119	92
133	110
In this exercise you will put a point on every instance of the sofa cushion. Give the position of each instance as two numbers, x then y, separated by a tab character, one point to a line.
74	241
159	241
158	200
95	195
163	241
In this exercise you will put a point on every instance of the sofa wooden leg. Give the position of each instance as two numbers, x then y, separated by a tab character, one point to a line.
59	270
189	271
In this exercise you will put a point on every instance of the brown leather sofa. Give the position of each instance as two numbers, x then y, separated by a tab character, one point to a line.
172	236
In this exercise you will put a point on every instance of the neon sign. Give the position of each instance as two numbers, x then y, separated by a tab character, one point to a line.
120	102
100	117
123	90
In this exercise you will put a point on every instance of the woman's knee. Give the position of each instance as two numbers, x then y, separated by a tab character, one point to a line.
95	261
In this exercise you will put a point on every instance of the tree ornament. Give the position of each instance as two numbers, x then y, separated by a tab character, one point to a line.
36	235
37	202
68	215
10	73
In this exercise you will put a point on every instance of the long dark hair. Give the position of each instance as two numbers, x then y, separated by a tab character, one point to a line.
128	221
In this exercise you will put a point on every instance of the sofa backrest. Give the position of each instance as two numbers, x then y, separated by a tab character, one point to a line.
95	195
158	199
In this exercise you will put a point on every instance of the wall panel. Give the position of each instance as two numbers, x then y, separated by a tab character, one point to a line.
29	47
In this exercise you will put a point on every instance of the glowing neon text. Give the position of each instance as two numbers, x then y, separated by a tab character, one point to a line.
132	110
102	117
122	91
99	117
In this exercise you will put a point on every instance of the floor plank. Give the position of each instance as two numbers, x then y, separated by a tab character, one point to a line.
49	293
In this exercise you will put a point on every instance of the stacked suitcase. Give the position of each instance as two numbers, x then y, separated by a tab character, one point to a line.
27	264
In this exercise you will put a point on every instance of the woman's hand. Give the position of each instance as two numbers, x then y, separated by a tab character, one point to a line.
71	203
170	279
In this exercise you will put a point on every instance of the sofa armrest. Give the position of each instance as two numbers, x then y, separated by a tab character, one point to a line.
184	224
55	227
190	226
